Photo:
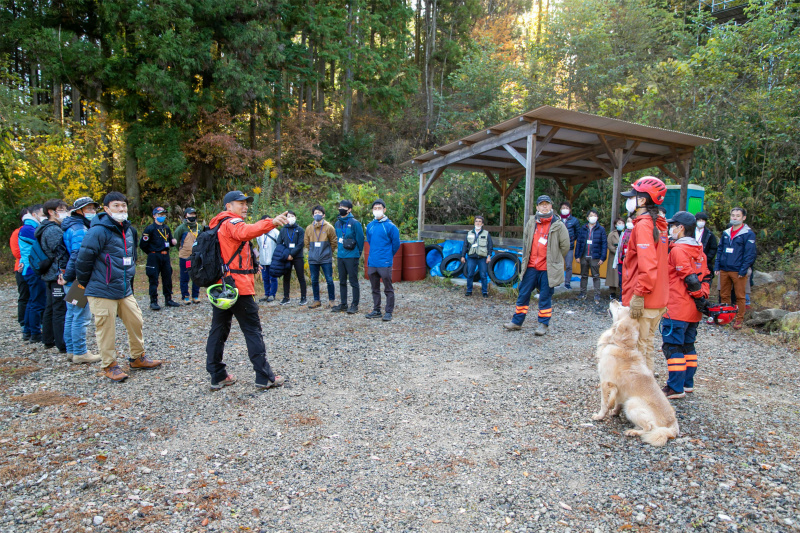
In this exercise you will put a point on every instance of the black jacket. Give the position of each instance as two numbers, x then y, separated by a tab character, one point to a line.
710	244
106	262
294	235
153	239
51	238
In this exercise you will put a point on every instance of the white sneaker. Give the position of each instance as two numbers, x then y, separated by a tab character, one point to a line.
86	358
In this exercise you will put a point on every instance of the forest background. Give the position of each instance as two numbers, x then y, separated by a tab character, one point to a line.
175	102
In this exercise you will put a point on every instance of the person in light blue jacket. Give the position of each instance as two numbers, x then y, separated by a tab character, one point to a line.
36	287
383	238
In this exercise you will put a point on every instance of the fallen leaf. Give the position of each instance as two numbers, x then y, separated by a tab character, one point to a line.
256	513
525	473
204	522
101	458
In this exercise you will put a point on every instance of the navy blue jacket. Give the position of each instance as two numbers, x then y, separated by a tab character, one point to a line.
599	242
350	228
75	227
736	254
384	241
289	235
106	262
572	224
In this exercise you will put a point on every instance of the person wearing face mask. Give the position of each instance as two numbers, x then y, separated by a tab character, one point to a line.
706	237
105	268
573	225
23	294
320	239
476	252
592	248
292	237
612	272
75	226
157	240
185	235
266	249
545	244
384	241
51	239
645	277
737	254
350	244
37	289
622	250
689	280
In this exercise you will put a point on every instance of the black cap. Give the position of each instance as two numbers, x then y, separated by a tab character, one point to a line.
379	202
237	196
82	202
190	211
702	215
631	193
684	218
544	198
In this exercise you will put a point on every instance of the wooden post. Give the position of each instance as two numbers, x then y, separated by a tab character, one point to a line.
615	192
570	192
421	206
503	197
683	203
530	178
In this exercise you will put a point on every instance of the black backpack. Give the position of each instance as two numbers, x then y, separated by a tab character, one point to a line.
205	265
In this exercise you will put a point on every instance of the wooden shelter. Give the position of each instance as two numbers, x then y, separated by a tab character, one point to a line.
569	147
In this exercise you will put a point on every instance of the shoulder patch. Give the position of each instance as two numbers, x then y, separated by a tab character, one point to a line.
145	237
235	220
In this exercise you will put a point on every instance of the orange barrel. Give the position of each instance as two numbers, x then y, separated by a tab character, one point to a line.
397	263
414	266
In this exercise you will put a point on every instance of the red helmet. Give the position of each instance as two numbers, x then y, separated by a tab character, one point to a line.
722	313
651	186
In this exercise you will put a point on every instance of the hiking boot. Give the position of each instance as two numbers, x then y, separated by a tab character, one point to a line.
172	303
154	306
227	382
26	337
331	304
302	301
285	301
671	394
264	299
279	381
353	309
315	304
467	294
387	317
144	363
49	346
114	373
195	300
35	339
186	300
375	313
339	308
510	326
738	323
541	330
485	295
86	358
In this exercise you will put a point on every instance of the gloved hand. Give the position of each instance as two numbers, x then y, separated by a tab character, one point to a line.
637	306
702	304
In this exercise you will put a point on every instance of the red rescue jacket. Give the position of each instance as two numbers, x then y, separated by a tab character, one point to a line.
686	257
645	269
233	232
15	250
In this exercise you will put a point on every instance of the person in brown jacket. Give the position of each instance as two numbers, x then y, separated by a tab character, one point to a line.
320	241
185	235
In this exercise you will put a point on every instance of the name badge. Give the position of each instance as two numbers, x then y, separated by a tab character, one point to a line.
127	261
166	245
542	240
317	245
291	245
588	241
341	239
728	250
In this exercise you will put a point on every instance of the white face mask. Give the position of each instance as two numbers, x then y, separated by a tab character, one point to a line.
629	225
565	211
377	213
701	224
630	205
672	232
62	215
119	217
291	220
592	220
478	229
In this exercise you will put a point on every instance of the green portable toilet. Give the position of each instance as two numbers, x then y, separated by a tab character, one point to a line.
695	197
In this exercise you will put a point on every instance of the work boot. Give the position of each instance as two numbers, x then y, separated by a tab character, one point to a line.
671	394
114	373
375	313
353	309
86	358
279	381
172	303
315	304
510	326
541	330
154	305
467	293
144	363
339	308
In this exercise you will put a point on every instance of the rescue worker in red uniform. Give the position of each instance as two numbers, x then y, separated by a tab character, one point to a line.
689	280
645	278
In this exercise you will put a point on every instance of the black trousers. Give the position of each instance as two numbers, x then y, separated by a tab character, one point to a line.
348	269
376	275
299	268
158	263
246	312
22	299
55	312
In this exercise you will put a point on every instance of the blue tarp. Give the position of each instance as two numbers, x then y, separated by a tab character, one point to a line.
451	247
433	259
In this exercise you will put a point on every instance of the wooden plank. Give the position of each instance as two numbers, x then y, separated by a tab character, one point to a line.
546	140
421	205
511	150
434	176
530	179
481	146
466	227
650	140
615	189
494	181
503	197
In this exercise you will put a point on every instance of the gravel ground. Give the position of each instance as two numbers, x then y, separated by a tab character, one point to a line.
438	421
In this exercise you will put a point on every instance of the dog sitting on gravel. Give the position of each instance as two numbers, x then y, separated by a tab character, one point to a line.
626	382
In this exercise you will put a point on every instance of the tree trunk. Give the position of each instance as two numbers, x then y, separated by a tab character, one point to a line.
418	36
58	102
107	164
253	126
76	105
132	176
320	84
347	114
34	81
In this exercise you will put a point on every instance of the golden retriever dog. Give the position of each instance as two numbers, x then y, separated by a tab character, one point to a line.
627	384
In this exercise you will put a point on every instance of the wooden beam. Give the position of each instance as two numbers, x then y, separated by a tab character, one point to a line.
579	191
421	205
546	140
481	146
459	227
530	178
521	160
609	169
576	155
494	181
628	136
630	167
628	153
669	173
683	203
434	176
503	197
617	183
466	143
514	184
609	149
562	187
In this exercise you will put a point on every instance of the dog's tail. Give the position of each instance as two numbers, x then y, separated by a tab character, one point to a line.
659	436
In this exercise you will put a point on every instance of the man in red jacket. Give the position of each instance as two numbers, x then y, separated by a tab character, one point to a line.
22	285
689	278
232	233
645	278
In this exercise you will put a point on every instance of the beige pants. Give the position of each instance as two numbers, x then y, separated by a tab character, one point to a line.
105	312
648	324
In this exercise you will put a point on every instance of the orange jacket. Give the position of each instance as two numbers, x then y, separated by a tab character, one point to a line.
645	269
232	233
686	257
538	258
15	250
